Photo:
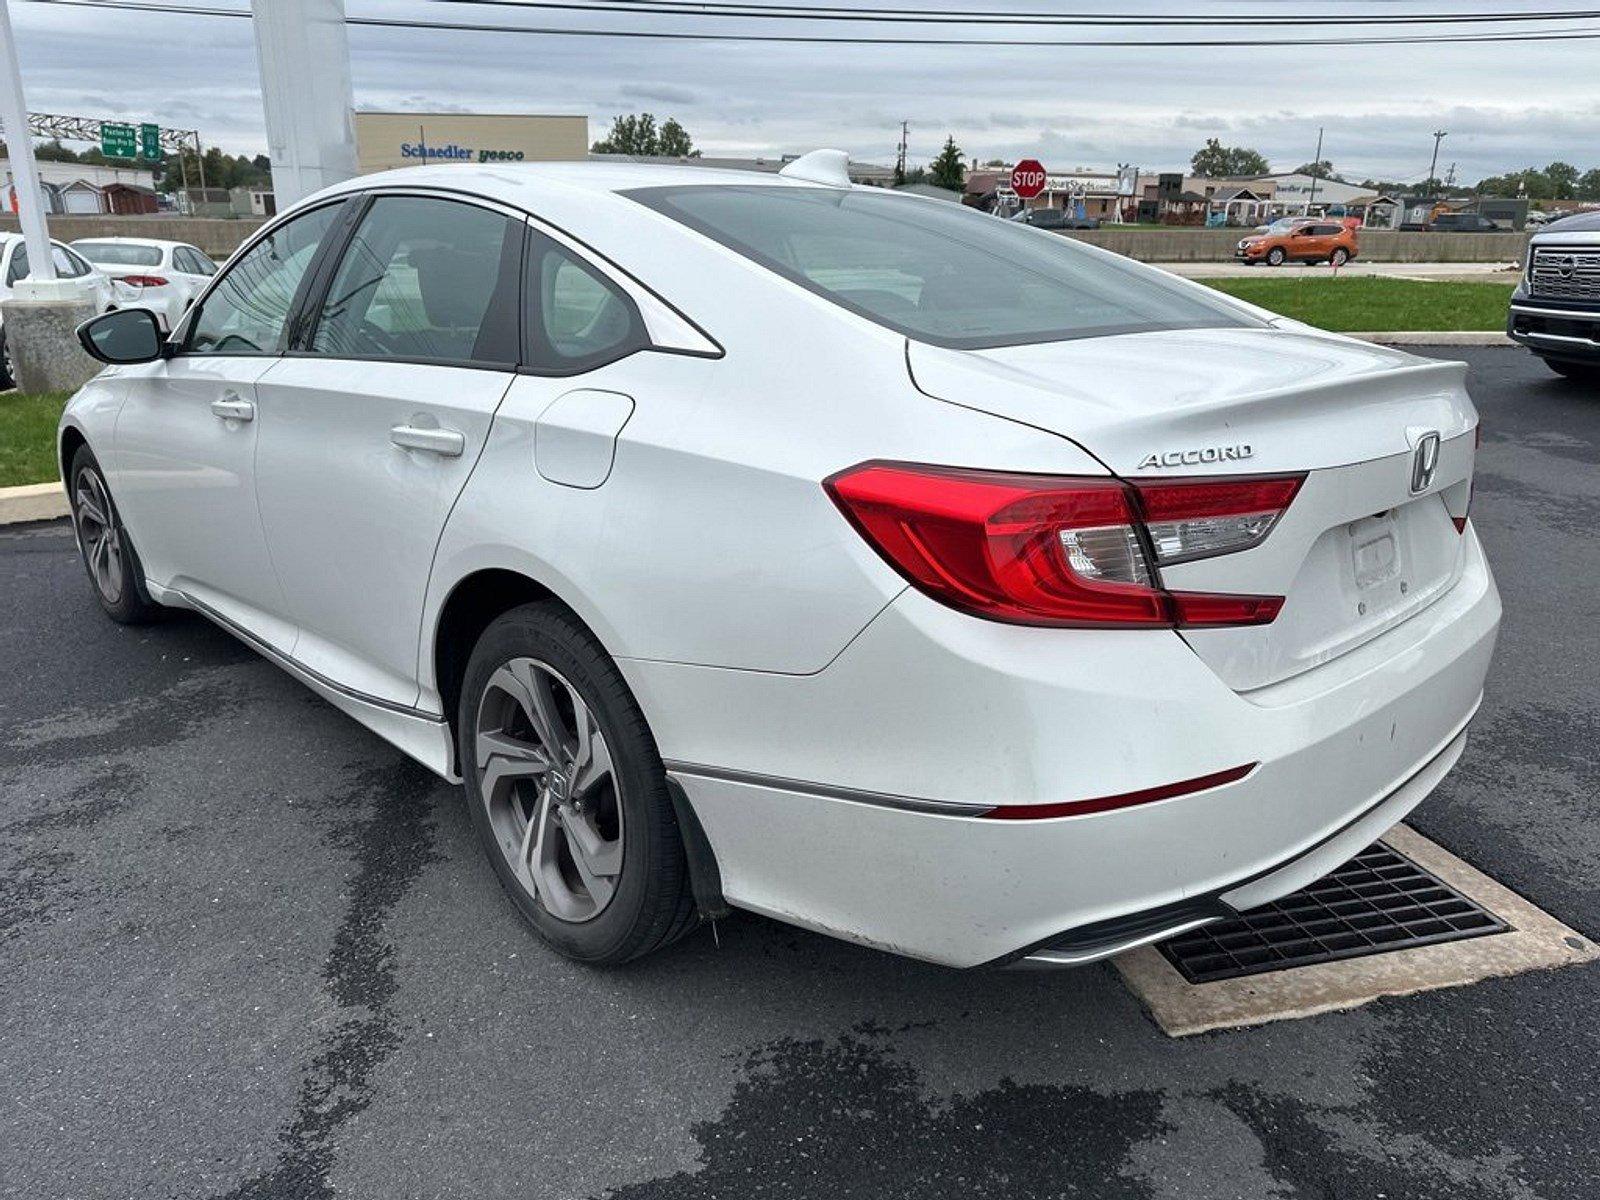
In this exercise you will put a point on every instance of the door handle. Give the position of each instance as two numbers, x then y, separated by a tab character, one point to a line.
234	408
446	442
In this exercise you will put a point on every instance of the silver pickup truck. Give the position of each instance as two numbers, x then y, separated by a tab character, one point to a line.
1555	311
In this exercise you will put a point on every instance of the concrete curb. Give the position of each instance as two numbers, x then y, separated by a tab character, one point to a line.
32	502
1437	337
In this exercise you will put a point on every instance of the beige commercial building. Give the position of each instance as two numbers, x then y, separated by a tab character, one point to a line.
409	139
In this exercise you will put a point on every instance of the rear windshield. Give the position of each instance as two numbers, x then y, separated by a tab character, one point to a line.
937	272
119	254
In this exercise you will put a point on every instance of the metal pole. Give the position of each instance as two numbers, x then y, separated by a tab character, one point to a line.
24	170
200	158
304	53
1316	168
1438	136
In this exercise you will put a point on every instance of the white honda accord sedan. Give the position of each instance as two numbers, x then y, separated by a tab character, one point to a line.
857	559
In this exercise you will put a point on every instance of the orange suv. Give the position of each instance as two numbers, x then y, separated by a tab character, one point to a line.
1316	241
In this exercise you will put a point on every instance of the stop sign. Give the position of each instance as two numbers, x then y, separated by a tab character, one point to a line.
1028	178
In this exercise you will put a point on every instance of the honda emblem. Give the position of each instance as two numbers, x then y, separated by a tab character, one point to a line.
1424	462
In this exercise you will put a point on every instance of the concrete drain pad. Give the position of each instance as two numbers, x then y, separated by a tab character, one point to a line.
1449	924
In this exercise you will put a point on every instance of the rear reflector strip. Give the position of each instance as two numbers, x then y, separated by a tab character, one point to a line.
1073	808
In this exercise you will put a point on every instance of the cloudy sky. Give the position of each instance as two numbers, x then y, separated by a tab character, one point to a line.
1505	105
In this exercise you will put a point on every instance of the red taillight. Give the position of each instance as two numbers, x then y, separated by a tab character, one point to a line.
144	281
1048	550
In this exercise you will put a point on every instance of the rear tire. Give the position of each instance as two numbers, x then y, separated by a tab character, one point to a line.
1339	257
584	840
1275	256
1577	372
8	377
107	551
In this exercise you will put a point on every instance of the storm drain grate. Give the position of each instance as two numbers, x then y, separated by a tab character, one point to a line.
1378	902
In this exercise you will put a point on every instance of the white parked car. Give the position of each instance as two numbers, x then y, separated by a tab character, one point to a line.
163	276
97	286
922	579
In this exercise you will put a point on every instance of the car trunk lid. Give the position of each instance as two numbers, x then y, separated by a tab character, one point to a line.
1369	540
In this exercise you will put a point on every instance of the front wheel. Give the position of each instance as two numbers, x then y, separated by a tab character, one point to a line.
103	542
1577	372
1275	256
567	790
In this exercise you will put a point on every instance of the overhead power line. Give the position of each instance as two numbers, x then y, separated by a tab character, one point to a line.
1585	33
730	10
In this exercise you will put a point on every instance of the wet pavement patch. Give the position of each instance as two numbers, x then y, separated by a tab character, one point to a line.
846	1118
390	838
1529	939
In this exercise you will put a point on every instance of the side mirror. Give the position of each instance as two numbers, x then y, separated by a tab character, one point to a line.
128	335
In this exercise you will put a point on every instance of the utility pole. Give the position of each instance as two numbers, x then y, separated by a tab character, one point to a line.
24	169
900	159
304	51
1450	177
1316	169
1438	136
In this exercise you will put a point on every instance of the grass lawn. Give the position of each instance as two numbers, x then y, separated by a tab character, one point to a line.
1373	305
28	437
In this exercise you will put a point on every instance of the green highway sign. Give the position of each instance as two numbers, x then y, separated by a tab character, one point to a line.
150	142
118	141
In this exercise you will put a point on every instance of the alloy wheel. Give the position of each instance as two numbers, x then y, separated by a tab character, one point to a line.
98	538
549	789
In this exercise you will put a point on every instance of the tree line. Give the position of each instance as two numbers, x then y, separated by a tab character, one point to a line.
222	170
1558	181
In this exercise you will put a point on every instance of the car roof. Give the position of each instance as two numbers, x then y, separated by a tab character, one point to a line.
132	241
9	236
523	185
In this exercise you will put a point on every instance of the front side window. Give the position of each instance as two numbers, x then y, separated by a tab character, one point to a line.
120	254
248	309
579	320
425	279
941	273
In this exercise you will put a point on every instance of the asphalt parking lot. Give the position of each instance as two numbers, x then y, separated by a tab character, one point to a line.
248	950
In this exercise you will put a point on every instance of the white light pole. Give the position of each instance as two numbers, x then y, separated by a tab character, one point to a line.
304	53
24	170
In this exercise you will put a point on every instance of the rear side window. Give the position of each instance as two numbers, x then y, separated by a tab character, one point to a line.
578	319
190	262
425	280
68	266
245	313
940	273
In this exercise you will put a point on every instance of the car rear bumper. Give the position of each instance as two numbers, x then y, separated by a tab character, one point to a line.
847	801
1555	331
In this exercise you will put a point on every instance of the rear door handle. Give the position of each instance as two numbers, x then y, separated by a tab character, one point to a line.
446	442
234	408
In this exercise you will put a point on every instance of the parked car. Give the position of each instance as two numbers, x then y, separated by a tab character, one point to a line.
1462	222
836	554
97	287
1055	218
1318	241
1555	310
163	276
